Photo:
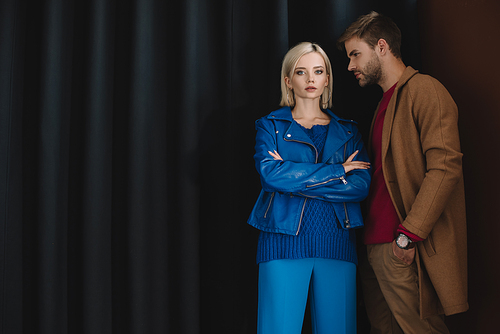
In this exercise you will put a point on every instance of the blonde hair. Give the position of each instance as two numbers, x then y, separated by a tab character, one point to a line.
288	69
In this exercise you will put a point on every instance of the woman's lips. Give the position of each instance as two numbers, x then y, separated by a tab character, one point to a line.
311	89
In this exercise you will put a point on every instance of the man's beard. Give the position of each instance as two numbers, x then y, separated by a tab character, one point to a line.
372	72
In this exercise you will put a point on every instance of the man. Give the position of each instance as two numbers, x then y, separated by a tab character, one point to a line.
415	266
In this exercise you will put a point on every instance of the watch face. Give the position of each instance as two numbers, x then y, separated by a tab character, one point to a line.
402	241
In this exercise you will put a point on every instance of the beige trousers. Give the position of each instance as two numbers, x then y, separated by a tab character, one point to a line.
391	294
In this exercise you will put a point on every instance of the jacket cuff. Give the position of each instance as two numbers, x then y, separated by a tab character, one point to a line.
338	170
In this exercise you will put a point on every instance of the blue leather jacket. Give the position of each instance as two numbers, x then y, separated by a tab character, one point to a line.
287	184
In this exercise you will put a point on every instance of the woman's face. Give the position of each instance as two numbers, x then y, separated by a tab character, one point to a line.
309	77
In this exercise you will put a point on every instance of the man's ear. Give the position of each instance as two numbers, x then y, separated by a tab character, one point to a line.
382	47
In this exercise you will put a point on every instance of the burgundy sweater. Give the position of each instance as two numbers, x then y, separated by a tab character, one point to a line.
382	222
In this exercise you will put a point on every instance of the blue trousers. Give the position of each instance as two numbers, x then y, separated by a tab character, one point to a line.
284	286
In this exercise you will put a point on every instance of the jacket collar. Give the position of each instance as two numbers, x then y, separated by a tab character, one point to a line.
337	135
285	114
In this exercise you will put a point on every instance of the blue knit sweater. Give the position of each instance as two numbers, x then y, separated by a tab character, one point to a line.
320	235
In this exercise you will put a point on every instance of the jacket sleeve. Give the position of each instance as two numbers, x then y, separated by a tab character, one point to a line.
355	185
287	176
437	117
327	182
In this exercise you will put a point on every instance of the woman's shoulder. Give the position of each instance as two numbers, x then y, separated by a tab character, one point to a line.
279	114
339	119
342	122
284	113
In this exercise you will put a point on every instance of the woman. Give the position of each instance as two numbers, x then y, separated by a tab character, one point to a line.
314	172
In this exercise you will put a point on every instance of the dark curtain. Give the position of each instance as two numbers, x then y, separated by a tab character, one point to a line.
126	155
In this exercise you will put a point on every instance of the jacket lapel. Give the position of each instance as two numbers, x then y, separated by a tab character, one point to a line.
337	136
296	133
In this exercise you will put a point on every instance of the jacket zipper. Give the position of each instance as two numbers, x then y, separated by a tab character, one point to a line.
336	178
305	201
301	214
269	205
346	221
342	178
309	144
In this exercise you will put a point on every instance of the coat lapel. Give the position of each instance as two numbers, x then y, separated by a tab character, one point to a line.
391	112
388	121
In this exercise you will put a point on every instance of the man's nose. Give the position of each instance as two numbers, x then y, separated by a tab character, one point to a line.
351	66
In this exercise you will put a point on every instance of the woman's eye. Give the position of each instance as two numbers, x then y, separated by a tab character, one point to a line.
299	72
319	71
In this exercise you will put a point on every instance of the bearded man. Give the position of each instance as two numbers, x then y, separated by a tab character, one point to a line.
414	269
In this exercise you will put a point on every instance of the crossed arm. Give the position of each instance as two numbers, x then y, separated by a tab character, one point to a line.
349	165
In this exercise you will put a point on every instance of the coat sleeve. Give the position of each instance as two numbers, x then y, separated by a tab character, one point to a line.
436	115
319	180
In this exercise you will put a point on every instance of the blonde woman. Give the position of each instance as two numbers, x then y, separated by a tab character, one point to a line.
314	172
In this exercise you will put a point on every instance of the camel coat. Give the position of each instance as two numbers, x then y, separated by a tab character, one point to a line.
422	166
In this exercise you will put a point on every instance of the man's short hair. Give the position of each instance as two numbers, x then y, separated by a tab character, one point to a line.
371	28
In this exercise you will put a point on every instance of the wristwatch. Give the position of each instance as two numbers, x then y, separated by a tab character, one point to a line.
403	242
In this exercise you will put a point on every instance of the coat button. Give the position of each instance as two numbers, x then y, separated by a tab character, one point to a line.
349	132
277	131
288	135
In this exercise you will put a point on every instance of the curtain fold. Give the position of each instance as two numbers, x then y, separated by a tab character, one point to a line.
90	184
11	157
126	155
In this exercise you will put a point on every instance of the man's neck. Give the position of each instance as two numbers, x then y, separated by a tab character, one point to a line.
393	70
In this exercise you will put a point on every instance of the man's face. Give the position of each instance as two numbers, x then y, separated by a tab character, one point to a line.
364	62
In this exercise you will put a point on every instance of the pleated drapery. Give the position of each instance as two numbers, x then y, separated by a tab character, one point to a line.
126	155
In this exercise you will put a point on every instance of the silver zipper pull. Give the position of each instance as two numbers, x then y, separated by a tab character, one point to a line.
343	180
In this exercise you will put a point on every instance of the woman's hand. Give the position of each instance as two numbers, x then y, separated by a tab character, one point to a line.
350	165
275	155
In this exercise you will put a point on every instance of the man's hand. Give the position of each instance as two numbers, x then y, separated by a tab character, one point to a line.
405	255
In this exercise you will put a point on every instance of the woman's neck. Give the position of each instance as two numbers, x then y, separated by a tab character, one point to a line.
308	114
